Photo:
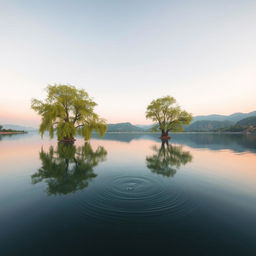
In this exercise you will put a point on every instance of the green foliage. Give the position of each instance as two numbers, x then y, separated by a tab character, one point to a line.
68	168
68	111
167	115
167	159
1	127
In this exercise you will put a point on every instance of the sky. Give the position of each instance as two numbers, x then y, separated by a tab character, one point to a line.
127	53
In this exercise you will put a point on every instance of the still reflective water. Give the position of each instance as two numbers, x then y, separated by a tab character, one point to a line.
128	194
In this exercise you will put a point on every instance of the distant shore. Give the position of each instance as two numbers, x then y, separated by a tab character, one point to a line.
18	132
201	132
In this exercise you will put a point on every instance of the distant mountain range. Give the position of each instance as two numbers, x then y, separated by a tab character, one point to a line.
234	122
207	125
124	127
233	118
247	121
246	125
144	126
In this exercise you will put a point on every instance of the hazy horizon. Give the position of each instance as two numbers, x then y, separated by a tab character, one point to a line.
127	53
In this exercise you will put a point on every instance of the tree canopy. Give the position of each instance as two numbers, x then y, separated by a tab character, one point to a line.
68	111
1	127
167	115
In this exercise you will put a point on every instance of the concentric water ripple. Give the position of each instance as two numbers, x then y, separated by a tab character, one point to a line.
124	197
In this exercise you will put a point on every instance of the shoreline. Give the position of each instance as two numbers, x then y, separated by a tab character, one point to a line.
184	133
2	133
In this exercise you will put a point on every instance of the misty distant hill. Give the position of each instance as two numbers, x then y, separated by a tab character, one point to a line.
247	121
205	125
246	125
233	118
18	127
123	127
145	127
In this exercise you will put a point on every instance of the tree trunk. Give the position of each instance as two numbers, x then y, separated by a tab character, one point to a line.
165	135
69	139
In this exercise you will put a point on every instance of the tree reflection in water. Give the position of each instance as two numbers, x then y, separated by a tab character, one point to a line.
68	168
167	159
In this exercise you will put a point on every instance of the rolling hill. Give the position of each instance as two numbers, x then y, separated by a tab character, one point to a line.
124	127
145	127
249	121
233	117
205	125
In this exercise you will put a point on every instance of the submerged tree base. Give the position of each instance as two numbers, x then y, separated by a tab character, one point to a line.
165	137
68	141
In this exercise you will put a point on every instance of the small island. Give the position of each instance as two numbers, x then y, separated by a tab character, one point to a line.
10	131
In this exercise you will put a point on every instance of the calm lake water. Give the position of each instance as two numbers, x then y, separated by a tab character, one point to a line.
127	194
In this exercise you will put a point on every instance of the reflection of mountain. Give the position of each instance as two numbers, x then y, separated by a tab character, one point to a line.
124	137
235	142
11	136
68	168
167	159
19	136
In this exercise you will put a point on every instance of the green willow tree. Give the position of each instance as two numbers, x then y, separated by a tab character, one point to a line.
68	111
167	115
167	159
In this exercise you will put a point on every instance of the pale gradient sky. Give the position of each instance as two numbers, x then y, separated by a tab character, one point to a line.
126	53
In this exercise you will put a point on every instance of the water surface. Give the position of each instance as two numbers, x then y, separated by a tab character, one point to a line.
127	194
